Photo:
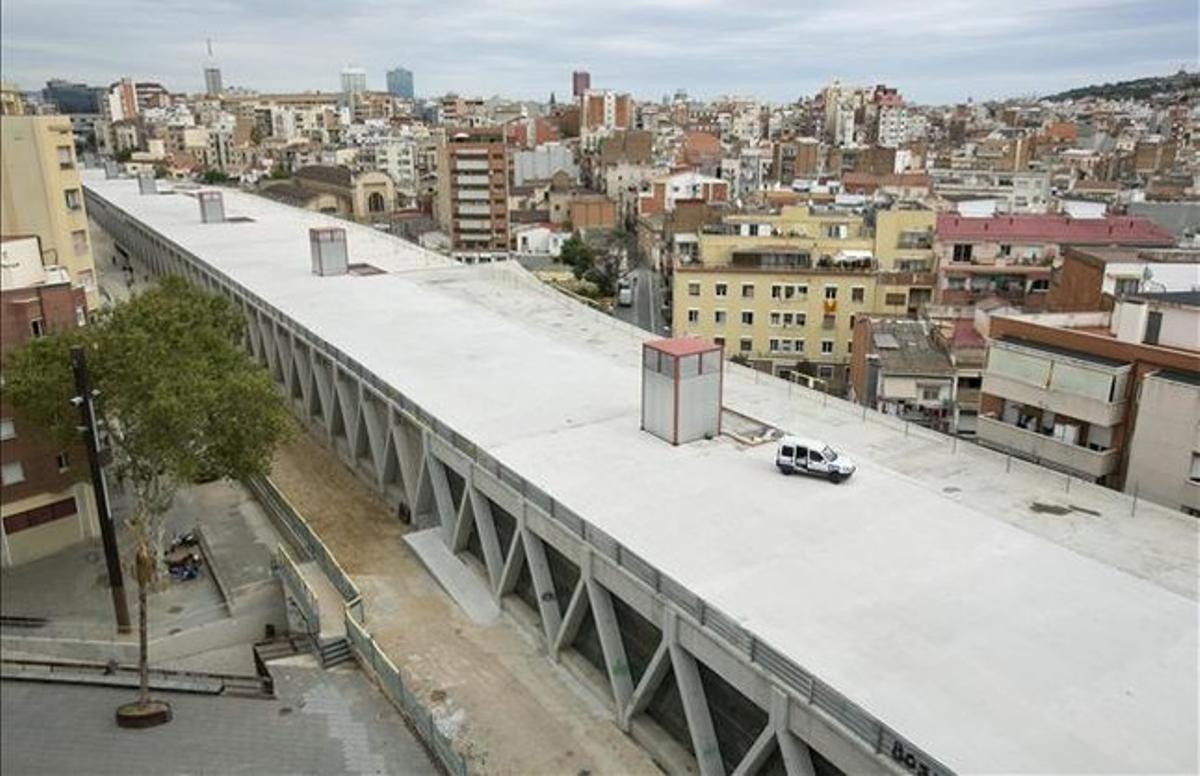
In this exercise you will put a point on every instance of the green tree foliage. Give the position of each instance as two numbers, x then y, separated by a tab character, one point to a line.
211	176
178	396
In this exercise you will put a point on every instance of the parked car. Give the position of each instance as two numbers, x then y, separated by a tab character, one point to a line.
625	296
808	456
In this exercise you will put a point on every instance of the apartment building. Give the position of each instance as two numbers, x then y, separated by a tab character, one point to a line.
783	290
1013	192
900	367
472	204
1067	390
41	194
601	112
796	158
1010	256
45	504
1095	278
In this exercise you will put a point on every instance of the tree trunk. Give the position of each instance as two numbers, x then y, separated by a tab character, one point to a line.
144	570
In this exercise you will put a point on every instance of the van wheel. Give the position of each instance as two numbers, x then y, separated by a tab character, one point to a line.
835	477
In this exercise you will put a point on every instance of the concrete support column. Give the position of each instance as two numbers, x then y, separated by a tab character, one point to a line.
615	660
543	582
695	708
485	527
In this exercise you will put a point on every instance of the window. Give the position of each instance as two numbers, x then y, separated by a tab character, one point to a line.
63	459
747	290
79	241
746	345
65	161
1126	286
825	372
802	290
962	251
1153	328
1006	250
722	289
858	294
837	231
719	340
747	317
693	315
12	473
719	317
829	321
1194	473
1041	284
80	315
831	292
851	323
826	347
71	196
773	345
895	300
850	346
798	345
693	289
776	291
38	327
775	319
8	429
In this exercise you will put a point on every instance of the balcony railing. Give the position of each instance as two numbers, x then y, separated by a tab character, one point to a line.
1045	449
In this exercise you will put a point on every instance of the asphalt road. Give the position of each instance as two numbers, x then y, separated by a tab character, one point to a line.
646	310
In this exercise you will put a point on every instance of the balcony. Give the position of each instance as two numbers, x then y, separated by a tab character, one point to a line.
1090	389
1045	449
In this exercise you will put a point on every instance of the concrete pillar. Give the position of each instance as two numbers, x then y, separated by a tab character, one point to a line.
485	526
543	582
615	660
695	708
576	610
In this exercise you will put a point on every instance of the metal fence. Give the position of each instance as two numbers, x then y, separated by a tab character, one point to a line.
872	732
391	682
305	596
307	540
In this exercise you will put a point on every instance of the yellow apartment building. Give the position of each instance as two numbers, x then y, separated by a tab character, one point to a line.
783	290
41	194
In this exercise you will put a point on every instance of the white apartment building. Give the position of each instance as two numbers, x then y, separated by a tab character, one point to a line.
893	125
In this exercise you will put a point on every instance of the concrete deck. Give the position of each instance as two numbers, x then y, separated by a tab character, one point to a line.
927	589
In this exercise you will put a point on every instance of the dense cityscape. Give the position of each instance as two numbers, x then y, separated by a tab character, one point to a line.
358	429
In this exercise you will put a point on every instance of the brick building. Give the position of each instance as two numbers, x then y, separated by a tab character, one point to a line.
45	504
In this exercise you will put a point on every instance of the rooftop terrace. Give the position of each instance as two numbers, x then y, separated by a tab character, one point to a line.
933	589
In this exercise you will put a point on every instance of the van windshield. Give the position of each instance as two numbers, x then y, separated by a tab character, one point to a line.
829	453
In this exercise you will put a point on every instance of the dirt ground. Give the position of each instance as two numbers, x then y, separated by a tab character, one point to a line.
509	709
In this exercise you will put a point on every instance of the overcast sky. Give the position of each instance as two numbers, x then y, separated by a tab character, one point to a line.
933	50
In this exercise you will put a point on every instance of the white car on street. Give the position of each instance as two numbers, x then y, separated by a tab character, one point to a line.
808	456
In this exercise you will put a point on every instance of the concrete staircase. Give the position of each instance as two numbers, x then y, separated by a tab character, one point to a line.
332	652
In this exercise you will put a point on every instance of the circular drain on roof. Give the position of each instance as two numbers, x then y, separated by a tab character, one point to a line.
951	489
175	609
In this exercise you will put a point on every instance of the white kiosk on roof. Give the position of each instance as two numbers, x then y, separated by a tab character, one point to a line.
681	389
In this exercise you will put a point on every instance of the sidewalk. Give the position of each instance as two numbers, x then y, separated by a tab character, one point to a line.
509	709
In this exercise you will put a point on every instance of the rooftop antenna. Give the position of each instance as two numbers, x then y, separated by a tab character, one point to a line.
208	43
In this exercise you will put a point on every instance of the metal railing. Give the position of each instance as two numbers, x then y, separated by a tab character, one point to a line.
305	596
871	732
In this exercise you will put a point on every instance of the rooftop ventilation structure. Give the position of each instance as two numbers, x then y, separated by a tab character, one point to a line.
329	253
682	383
212	207
147	184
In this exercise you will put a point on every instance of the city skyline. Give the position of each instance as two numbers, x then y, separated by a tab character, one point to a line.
936	53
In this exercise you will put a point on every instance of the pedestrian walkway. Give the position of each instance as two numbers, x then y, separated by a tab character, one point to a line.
508	708
321	722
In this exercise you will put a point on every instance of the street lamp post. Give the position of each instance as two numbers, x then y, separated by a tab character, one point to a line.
84	399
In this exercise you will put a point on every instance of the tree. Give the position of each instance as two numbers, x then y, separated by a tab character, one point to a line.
578	255
211	176
179	398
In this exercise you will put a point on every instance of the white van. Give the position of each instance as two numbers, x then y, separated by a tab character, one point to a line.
625	296
808	456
